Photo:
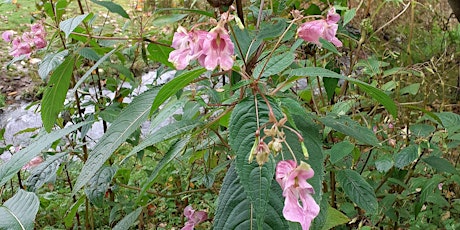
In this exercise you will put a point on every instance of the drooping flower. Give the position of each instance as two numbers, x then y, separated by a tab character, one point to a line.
299	205
217	50
325	28
8	35
187	45
194	217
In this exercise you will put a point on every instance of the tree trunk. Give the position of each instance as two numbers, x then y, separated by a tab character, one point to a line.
455	5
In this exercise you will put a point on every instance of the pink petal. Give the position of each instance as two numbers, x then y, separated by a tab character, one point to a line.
188	226
40	42
33	163
332	16
8	35
188	212
312	31
199	217
303	212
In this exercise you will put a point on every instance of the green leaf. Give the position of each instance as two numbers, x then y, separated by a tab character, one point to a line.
330	84
341	150
72	211
334	218
384	163
275	65
202	12
69	25
126	123
98	185
168	19
411	89
358	190
19	211
422	130
256	180
19	159
55	93
440	164
165	133
128	220
160	54
347	126
44	173
406	156
112	7
171	107
349	15
375	93
234	207
89	54
271	31
173	151
174	86
50	62
88	73
329	46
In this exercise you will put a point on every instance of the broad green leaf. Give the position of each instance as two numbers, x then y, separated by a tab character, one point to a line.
173	86
165	133
168	19
274	66
334	218
72	211
375	93
55	93
44	173
406	156
98	185
358	190
128	220
440	164
112	7
19	159
88	73
340	150
346	125
329	46
422	130
19	211
450	121
247	43
160	54
173	151
384	163
271	31
69	25
255	179
129	120
50	62
234	207
89	53
411	89
330	84
349	15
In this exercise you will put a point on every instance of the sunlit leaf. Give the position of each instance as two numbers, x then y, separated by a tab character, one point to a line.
69	25
112	7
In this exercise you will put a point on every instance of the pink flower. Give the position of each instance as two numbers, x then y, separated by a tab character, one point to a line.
39	42
194	217
187	45
293	182
327	29
8	35
33	163
22	48
217	50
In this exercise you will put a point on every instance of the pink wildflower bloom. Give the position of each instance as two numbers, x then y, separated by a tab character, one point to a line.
217	50
39	42
187	45
327	29
293	182
22	48
8	35
33	163
38	29
194	217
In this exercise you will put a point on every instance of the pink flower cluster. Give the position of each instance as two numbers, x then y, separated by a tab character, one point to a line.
212	49
293	182
194	217
327	29
29	41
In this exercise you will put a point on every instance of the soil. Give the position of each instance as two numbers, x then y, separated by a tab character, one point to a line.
17	84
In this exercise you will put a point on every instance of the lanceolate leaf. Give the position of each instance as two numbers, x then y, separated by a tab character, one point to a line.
19	159
175	150
70	24
112	7
160	54
128	220
255	180
347	126
440	164
44	173
99	184
19	211
234	207
55	92
406	156
358	190
174	86
274	66
126	123
375	93
50	62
